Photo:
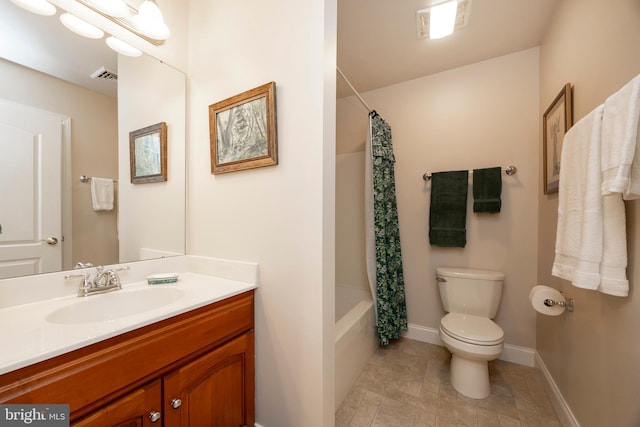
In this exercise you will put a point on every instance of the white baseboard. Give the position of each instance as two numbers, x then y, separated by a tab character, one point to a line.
511	353
566	417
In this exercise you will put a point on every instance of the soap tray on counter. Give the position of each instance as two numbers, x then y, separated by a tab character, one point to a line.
161	279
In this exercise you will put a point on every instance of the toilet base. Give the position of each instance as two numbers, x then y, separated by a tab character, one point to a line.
470	377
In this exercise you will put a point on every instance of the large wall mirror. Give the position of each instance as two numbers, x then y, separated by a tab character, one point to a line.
88	99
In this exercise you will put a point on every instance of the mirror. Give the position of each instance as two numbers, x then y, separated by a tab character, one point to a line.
48	69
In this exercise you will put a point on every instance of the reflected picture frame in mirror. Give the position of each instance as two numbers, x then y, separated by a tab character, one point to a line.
148	154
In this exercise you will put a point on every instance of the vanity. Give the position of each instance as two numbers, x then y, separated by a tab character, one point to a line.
185	357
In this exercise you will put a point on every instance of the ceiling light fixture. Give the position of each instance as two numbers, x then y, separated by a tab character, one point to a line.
40	7
115	8
81	27
122	47
441	19
149	21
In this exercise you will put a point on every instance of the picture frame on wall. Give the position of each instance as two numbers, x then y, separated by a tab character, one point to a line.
148	154
243	131
556	121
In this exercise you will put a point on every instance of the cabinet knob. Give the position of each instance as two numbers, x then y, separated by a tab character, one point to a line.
154	416
176	403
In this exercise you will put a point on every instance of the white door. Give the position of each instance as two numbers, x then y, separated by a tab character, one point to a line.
30	190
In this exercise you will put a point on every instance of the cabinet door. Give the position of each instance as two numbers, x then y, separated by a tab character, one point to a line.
216	390
138	408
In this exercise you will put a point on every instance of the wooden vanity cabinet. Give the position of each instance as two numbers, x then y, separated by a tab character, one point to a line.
138	408
195	369
212	390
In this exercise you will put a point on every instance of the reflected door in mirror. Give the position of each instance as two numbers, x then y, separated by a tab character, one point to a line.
30	191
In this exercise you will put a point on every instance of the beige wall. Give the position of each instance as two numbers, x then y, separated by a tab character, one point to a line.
592	353
280	216
93	151
481	115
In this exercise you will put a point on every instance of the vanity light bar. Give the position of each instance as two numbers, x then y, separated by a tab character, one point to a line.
124	21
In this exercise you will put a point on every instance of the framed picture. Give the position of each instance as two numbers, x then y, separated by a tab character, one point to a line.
148	154
556	121
243	131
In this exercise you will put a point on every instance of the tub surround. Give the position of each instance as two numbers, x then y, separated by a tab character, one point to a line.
356	338
27	301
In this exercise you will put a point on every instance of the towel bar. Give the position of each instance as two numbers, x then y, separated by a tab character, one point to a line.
85	178
511	170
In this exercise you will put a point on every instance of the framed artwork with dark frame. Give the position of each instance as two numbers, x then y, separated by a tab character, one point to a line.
243	131
148	154
556	121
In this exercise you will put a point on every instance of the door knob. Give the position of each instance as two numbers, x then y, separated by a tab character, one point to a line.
154	416
176	403
51	241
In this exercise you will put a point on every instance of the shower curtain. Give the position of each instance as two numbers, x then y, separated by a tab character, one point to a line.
384	257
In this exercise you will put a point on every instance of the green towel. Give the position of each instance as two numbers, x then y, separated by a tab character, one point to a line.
487	187
448	210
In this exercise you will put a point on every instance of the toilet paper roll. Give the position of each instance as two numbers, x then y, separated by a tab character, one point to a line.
539	294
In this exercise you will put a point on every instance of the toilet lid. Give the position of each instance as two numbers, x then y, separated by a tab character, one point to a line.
472	329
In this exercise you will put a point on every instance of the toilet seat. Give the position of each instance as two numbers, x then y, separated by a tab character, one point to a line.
472	329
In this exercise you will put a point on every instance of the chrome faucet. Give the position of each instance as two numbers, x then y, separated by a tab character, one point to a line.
83	265
104	281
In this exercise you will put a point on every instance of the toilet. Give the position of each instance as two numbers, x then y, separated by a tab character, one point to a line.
471	298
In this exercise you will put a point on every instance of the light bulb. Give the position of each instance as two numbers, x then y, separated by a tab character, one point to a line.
122	47
81	27
40	7
149	21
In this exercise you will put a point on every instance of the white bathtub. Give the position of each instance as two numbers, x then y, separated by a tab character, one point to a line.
356	337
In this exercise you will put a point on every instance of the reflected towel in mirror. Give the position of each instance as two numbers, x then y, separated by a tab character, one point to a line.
102	194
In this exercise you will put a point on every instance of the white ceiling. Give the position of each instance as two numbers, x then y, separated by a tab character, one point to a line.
378	45
44	44
377	42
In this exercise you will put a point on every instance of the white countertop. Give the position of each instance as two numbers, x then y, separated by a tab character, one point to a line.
27	336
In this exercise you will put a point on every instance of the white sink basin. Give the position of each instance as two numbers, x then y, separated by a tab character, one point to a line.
114	305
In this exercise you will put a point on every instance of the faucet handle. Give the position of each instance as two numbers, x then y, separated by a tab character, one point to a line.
84	284
114	279
84	276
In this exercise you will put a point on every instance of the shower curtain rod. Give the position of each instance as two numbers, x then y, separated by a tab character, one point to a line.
354	90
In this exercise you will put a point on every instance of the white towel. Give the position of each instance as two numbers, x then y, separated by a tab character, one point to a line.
591	248
613	268
102	194
620	160
580	222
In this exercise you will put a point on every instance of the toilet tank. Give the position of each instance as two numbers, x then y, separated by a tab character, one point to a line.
470	291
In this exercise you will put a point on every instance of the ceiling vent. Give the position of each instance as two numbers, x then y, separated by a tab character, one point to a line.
104	73
423	17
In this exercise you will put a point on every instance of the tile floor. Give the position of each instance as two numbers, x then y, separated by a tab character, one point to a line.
406	384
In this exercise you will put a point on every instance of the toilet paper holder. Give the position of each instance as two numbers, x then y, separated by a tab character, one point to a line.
568	304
